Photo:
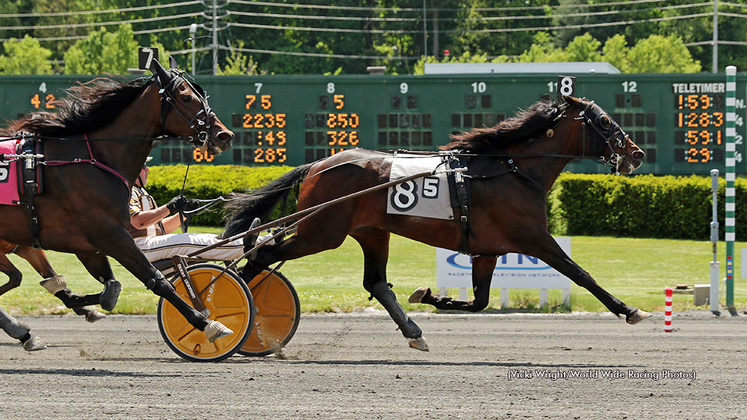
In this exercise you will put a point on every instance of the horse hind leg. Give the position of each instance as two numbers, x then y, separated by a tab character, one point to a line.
57	286
375	244
482	275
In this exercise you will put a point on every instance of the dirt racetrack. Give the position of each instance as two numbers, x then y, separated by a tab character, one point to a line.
536	366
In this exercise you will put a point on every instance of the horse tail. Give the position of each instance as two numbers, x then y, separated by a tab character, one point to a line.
246	207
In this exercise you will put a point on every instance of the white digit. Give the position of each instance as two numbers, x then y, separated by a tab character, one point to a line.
738	139
43	87
630	86
479	87
566	86
551	86
404	196
258	86
3	174
330	87
430	187
403	88
150	57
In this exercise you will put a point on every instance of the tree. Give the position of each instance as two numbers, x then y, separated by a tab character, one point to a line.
659	54
104	52
542	51
25	56
238	64
583	48
615	52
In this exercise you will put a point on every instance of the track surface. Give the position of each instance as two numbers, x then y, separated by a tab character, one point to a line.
510	366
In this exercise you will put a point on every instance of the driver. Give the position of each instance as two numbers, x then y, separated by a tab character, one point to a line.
151	226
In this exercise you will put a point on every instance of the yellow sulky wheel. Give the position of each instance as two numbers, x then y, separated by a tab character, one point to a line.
277	316
228	300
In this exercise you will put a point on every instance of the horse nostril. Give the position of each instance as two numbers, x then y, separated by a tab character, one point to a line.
225	136
638	154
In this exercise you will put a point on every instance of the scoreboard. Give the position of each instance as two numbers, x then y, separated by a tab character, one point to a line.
679	120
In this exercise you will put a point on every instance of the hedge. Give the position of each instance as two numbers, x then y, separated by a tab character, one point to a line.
643	206
208	182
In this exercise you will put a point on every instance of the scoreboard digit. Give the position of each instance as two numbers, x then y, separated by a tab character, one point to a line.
679	120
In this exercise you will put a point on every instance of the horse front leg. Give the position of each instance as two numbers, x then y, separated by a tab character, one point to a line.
550	252
375	244
482	275
20	332
120	246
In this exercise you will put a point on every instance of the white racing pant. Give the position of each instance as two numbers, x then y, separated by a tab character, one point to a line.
166	246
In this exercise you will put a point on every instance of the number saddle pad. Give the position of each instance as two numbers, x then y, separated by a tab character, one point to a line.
8	174
423	197
13	176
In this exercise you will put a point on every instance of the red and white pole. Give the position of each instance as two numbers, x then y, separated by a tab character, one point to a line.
668	309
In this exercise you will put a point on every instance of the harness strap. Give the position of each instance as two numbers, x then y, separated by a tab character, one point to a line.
461	189
92	161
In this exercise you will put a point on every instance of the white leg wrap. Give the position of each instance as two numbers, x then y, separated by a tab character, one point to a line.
216	330
54	284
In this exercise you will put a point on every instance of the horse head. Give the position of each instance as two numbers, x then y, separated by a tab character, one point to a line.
611	144
189	102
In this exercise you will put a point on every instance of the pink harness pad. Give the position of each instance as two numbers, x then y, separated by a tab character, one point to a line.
8	175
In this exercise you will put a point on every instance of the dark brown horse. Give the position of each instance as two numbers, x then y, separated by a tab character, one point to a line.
54	283
511	168
94	147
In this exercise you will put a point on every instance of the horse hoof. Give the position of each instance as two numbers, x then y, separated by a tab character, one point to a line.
108	298
637	316
94	316
418	343
216	330
34	343
418	295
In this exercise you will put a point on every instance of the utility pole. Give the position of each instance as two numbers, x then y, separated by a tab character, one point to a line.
215	37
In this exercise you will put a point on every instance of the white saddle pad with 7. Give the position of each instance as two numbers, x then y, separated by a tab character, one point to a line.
424	197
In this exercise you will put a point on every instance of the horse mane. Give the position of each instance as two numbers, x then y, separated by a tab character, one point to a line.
526	125
87	107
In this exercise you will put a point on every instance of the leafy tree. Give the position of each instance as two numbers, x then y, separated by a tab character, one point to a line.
103	52
25	56
542	51
615	52
583	48
238	64
659	54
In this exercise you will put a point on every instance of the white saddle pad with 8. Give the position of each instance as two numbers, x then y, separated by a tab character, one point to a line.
424	197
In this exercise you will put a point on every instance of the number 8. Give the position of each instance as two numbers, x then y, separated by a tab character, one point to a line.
566	86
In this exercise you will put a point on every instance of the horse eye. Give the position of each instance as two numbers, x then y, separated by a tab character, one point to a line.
605	122
187	98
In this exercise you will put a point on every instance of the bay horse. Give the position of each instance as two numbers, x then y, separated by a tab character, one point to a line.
54	283
94	146
511	168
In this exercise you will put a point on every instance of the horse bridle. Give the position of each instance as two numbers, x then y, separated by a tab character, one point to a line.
200	122
614	136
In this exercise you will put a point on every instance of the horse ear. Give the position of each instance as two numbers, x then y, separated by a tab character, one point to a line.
172	63
570	100
160	72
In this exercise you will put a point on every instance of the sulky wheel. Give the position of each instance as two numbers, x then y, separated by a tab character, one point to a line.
277	316
228	300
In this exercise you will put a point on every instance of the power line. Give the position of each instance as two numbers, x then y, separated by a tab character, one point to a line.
97	12
96	24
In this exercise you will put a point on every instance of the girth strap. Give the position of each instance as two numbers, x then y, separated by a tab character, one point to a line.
460	198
